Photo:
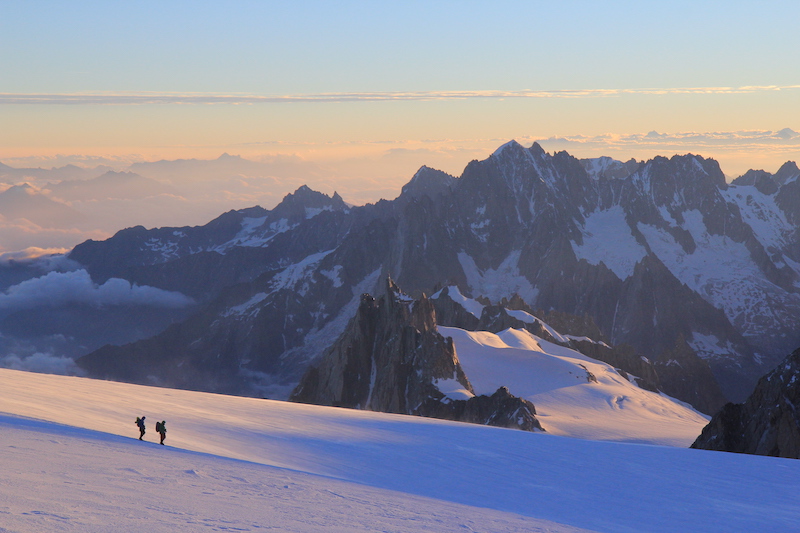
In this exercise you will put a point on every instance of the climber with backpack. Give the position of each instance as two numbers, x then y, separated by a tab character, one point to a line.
161	429
140	423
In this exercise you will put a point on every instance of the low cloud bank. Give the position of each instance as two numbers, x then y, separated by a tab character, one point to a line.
60	288
42	363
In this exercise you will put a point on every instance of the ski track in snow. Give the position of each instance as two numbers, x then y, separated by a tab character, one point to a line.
244	464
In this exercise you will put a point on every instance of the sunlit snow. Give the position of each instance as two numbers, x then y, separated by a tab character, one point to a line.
72	462
568	401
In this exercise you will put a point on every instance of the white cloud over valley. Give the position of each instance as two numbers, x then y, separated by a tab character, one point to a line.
61	288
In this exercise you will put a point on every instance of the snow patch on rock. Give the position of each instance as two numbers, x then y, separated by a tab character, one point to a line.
241	309
723	273
292	275
452	389
311	212
500	282
602	228
762	214
472	306
333	275
709	346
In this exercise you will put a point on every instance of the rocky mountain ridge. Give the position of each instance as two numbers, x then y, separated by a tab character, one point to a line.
668	259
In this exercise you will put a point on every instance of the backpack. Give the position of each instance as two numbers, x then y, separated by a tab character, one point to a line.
138	421
158	427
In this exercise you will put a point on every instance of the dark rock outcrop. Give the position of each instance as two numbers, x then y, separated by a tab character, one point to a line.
451	313
767	423
501	409
390	359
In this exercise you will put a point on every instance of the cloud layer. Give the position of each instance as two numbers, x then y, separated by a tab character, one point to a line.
42	363
48	256
160	98
60	288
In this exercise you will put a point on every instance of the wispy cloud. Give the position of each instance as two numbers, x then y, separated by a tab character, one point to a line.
151	98
738	140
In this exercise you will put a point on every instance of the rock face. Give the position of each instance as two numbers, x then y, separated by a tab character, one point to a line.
392	359
767	423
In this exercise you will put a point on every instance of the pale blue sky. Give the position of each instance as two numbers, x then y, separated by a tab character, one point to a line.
308	48
311	47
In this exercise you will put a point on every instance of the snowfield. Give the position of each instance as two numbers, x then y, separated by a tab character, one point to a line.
71	462
574	395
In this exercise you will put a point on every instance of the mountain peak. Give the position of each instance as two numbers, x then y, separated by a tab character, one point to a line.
787	171
428	182
510	145
537	150
22	188
306	203
761	179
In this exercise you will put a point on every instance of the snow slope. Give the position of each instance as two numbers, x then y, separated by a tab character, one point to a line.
243	464
557	380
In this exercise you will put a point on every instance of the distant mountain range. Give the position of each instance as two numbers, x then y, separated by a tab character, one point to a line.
25	202
663	258
13	175
159	193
